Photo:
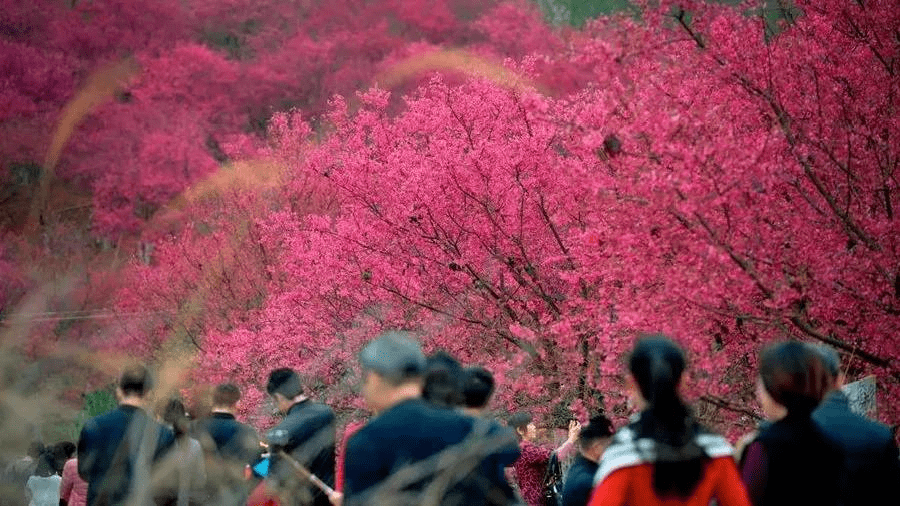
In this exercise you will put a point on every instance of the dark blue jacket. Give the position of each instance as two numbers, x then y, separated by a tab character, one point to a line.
228	438
310	427
871	465
579	482
413	446
113	447
488	484
230	446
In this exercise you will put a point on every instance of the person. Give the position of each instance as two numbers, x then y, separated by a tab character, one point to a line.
17	472
592	441
871	465
531	466
181	476
664	456
341	452
791	461
230	446
117	450
306	434
477	389
442	385
42	487
411	452
72	489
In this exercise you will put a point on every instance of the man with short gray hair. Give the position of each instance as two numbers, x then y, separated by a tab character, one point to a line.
410	453
871	465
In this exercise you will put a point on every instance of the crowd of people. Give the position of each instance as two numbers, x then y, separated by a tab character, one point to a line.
431	440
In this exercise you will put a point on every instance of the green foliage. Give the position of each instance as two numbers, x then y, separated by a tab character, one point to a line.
776	13
576	12
95	403
233	42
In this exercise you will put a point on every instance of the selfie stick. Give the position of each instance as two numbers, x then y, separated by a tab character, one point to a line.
304	473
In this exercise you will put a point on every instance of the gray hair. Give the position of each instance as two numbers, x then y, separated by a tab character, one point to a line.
830	359
395	356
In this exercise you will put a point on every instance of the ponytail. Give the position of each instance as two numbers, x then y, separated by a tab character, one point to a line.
657	365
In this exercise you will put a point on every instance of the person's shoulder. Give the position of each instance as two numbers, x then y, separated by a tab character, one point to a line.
311	410
215	423
246	428
721	464
495	428
405	418
402	412
102	421
776	431
449	415
583	468
840	421
386	420
321	409
454	424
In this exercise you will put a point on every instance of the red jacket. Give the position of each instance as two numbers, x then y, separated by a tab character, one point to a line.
634	486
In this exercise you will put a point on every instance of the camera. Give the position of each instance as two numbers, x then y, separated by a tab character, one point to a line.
277	439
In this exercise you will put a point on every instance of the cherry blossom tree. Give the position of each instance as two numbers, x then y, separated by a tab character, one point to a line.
690	190
687	171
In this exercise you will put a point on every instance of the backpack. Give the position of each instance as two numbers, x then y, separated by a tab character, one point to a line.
553	482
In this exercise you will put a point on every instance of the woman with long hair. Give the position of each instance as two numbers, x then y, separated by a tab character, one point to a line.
42	487
791	461
181	475
664	456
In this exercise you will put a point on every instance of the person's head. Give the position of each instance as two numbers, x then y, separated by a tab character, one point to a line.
49	462
134	383
35	449
284	386
175	414
393	366
594	437
65	449
792	377
478	387
442	385
656	365
60	453
225	396
831	361
523	424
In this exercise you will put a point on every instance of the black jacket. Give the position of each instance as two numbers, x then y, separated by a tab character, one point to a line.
793	462
310	429
116	451
415	448
871	465
579	482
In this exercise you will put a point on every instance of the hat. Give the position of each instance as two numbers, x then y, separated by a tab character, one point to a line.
393	355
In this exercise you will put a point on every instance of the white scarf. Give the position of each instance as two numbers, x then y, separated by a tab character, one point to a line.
626	450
